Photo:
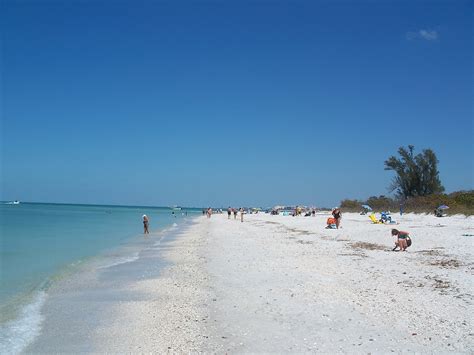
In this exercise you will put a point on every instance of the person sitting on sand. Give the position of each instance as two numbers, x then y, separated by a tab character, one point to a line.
337	214
331	223
385	217
401	239
145	224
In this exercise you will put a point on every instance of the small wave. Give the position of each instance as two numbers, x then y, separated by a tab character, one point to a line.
15	335
158	242
124	260
170	228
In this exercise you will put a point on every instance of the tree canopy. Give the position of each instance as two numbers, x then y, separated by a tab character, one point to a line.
416	175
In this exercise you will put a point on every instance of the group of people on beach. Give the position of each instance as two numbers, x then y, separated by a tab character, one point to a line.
233	211
402	239
230	211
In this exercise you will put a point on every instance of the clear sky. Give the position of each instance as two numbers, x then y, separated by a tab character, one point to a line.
230	102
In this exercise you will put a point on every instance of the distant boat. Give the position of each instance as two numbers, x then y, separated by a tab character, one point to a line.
176	208
16	202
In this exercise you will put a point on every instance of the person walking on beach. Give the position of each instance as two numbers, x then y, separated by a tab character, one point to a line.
241	214
234	210
145	224
209	212
229	211
337	214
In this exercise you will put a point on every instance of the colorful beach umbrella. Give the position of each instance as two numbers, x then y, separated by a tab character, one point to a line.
367	207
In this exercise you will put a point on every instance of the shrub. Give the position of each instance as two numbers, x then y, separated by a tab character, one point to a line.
351	205
461	202
382	203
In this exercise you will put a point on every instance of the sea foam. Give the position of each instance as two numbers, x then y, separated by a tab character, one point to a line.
122	260
15	335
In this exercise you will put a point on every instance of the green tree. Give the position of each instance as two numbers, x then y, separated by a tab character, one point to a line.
416	175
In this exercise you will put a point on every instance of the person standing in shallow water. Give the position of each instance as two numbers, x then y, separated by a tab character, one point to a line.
145	224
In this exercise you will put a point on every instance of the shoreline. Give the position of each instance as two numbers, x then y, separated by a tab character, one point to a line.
72	291
57	241
286	284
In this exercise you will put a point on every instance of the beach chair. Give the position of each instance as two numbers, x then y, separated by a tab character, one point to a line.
374	219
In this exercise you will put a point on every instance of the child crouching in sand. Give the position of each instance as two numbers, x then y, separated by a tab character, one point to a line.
401	239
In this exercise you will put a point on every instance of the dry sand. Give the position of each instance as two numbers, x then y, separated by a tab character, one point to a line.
286	284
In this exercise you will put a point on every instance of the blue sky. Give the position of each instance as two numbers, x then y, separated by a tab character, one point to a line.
230	102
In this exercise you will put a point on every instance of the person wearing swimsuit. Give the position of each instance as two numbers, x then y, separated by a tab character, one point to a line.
145	224
401	239
336	213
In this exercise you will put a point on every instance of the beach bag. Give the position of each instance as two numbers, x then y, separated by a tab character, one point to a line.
331	221
408	241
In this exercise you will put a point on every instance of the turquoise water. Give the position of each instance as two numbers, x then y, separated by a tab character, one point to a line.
38	242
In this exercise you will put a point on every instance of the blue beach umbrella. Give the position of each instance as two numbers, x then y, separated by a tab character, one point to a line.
443	207
367	207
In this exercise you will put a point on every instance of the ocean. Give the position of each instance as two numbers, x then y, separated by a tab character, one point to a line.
41	245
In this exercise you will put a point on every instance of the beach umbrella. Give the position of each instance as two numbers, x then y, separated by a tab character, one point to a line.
443	207
367	207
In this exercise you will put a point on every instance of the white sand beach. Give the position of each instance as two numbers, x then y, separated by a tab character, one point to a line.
286	284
